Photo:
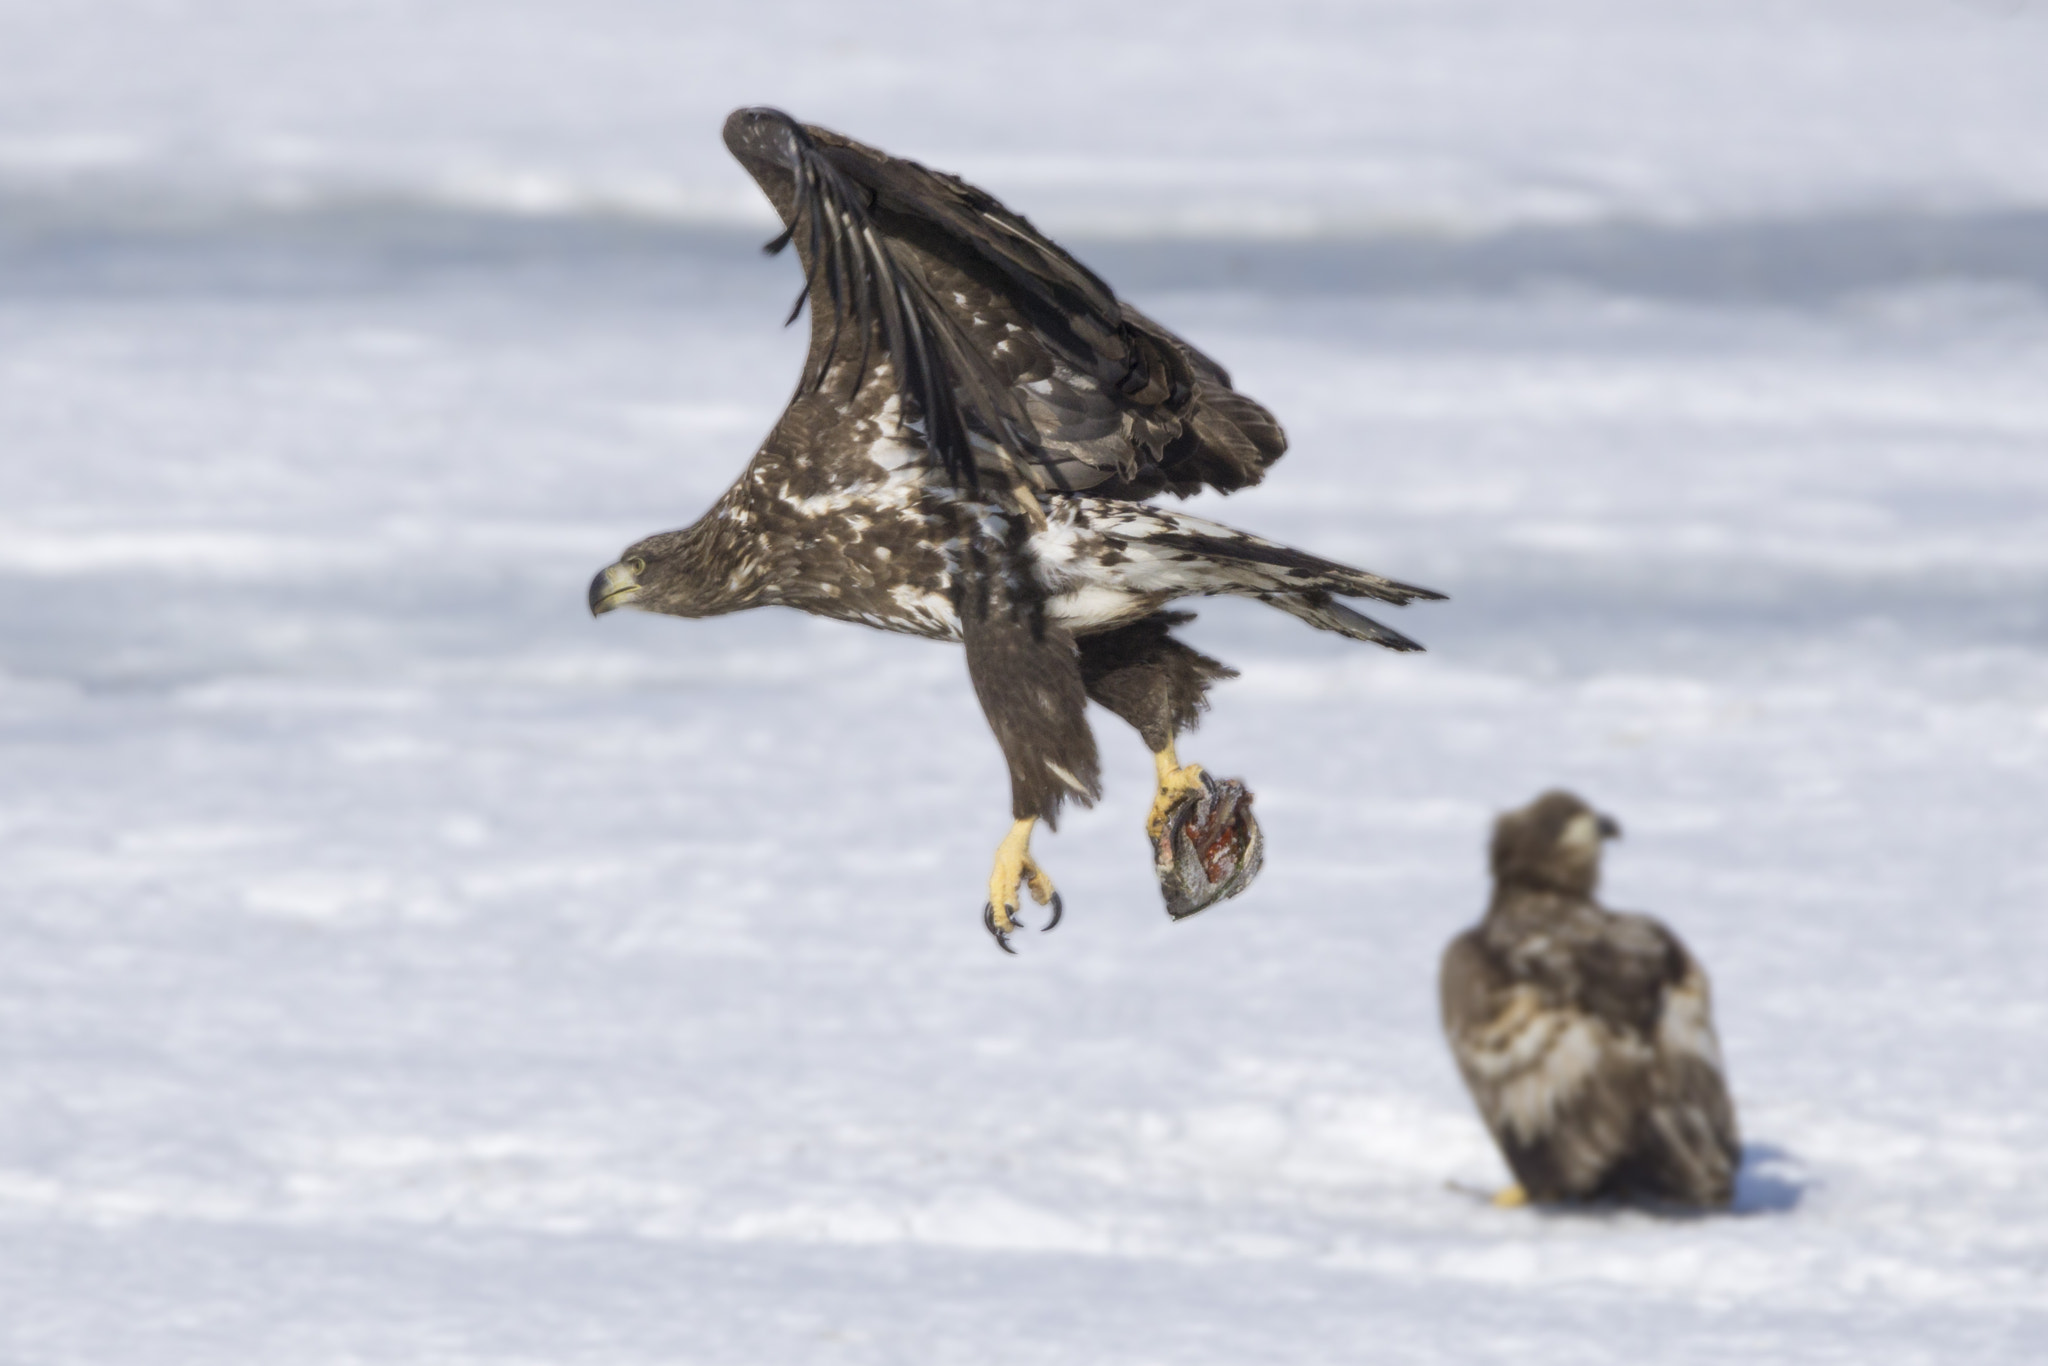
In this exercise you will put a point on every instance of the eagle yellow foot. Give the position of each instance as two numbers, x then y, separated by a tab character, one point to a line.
1175	782
1015	866
1510	1197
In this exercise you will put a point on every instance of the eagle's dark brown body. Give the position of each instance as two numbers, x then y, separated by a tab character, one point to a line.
967	457
1586	1036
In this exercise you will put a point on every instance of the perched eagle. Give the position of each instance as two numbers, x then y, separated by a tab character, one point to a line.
967	457
1585	1035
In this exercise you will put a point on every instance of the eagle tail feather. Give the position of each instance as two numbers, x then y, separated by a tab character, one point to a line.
1267	566
1325	613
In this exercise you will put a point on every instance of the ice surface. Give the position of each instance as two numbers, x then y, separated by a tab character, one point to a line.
397	965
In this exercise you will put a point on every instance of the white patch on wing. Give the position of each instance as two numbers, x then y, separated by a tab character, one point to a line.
1686	1024
1096	607
1568	1050
901	475
1060	541
1532	1061
931	608
1082	593
1093	582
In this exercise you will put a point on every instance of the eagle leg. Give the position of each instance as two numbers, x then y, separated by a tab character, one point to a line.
1027	674
1510	1197
1160	686
1175	782
1014	866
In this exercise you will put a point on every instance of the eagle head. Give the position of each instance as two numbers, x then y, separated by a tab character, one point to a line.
1552	844
663	573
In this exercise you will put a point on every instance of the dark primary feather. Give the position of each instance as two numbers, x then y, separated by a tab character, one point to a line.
870	284
1312	571
1325	613
996	334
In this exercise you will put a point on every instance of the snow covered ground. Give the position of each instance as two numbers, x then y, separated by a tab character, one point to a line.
398	966
1285	117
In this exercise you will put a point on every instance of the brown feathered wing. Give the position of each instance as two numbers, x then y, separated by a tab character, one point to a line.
1010	354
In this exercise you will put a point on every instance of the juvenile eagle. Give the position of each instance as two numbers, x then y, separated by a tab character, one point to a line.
1585	1035
967	456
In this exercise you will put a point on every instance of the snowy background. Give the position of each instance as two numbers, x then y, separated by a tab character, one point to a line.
398	966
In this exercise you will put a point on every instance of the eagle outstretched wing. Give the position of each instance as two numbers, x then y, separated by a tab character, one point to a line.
977	422
1008	352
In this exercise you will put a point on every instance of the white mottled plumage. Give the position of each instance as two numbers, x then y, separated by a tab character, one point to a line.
1104	563
1107	563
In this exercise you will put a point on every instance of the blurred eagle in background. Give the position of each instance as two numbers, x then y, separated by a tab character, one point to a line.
968	457
1586	1036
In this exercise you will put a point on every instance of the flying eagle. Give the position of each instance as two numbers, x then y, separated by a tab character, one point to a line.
968	457
1586	1036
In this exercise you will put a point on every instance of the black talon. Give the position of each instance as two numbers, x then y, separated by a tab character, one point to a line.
1208	782
1056	909
988	918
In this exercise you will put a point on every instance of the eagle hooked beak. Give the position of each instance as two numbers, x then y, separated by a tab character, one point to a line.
1609	828
616	586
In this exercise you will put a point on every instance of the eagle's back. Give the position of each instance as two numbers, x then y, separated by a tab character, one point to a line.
846	518
1587	1041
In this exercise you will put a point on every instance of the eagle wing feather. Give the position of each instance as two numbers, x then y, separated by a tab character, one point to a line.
1007	349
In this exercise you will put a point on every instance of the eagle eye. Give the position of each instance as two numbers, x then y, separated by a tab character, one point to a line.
637	565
